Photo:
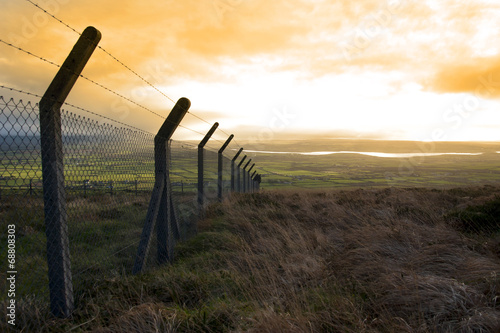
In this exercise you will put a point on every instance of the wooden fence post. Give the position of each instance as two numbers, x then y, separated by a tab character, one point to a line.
220	161
233	171
160	203
239	187
201	147
54	196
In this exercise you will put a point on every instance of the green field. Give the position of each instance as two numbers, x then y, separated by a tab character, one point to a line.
354	170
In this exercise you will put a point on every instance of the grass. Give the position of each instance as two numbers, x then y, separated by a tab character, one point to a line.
373	260
104	231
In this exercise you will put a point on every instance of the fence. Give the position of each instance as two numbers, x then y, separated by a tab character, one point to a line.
84	195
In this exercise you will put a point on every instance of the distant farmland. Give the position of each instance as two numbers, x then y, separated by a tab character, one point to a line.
350	170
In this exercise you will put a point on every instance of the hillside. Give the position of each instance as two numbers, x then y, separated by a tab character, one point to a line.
376	260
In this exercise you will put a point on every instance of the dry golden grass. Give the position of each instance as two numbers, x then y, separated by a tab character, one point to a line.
385	260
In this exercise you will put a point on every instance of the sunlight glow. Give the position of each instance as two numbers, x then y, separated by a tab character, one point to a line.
340	69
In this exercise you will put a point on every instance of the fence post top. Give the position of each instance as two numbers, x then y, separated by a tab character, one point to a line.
237	154
92	33
184	102
174	119
242	160
224	146
250	160
70	70
208	135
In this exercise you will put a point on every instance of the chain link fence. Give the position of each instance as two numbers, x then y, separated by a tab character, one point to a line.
21	201
210	176
109	175
184	181
108	172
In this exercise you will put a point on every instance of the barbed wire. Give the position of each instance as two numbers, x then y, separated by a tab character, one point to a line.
122	64
51	15
76	107
106	52
84	77
20	91
29	53
192	130
127	125
93	113
207	122
135	73
199	118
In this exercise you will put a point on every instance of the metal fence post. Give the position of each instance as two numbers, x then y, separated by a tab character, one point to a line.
160	203
201	155
245	176
252	181
249	179
238	183
233	171
220	161
58	257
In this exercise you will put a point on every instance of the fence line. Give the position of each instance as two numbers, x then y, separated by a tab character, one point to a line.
99	188
96	83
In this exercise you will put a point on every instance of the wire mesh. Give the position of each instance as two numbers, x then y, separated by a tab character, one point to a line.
109	174
210	168
108	180
21	201
226	176
184	178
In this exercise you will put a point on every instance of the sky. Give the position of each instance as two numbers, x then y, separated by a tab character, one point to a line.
374	69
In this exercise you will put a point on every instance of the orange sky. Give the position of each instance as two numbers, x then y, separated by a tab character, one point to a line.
396	69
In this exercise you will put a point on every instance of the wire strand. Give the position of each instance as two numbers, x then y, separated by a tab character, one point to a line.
84	77
106	52
55	18
29	53
91	112
76	107
121	63
136	74
118	61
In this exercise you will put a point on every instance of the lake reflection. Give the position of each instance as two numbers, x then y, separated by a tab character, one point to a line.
375	154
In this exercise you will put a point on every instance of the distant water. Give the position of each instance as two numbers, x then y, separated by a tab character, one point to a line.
375	154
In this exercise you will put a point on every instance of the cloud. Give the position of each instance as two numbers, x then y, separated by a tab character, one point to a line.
172	40
193	47
481	77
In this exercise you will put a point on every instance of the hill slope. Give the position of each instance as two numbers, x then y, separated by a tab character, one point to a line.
385	260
